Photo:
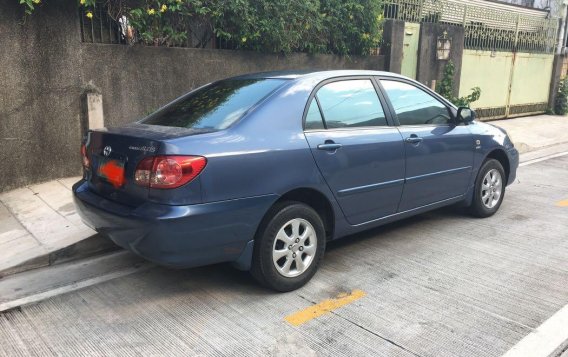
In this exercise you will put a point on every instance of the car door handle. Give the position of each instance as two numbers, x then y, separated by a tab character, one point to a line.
329	146
413	139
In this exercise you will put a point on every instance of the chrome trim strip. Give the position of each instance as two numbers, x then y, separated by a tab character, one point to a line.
367	188
372	187
439	173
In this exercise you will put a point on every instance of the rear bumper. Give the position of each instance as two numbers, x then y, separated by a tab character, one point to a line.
176	236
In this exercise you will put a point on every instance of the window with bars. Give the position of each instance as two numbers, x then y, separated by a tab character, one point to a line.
101	28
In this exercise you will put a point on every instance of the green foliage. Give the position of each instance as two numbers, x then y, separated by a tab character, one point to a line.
468	99
271	26
345	27
29	5
446	85
170	22
351	27
561	100
326	26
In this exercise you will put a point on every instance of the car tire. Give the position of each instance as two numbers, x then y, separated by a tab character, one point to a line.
289	246
489	190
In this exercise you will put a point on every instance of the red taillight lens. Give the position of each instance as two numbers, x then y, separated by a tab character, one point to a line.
86	161
168	171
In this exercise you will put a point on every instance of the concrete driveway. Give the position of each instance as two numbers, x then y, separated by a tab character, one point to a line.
440	284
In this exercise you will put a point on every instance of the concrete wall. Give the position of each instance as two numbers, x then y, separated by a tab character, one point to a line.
559	72
137	80
44	70
40	87
429	67
392	47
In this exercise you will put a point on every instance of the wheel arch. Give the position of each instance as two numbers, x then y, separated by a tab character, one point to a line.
313	198
500	155
309	196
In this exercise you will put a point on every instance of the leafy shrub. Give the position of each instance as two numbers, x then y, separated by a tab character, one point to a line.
561	100
446	85
168	22
29	5
351	27
271	26
345	27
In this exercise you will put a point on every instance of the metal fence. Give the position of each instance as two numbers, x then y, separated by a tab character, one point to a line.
486	28
102	28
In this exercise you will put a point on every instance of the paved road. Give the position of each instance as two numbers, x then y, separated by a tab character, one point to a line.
440	284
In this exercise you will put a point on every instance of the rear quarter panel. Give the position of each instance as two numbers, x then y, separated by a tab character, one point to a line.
264	153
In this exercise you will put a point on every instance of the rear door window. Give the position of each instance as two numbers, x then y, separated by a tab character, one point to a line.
351	103
314	121
216	106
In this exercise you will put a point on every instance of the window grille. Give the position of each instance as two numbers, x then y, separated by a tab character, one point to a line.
486	28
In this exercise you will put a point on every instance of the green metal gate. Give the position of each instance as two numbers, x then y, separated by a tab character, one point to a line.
511	83
410	49
508	51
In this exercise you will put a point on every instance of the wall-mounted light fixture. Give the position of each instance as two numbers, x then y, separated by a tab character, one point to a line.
443	47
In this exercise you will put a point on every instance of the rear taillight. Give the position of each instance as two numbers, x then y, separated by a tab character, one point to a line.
168	171
86	161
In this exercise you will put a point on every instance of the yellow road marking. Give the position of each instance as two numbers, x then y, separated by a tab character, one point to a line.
324	307
562	203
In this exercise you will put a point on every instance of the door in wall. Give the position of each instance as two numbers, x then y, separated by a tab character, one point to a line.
410	49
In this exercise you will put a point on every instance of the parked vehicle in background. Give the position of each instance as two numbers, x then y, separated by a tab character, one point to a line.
263	170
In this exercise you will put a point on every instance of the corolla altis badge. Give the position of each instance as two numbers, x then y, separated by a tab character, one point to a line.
107	150
143	148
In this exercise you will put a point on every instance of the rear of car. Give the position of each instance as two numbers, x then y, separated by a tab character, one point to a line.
142	182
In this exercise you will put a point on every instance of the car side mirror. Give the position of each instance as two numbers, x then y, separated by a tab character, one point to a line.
465	115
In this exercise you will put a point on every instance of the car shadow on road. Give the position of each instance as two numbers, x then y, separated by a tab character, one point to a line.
223	277
385	231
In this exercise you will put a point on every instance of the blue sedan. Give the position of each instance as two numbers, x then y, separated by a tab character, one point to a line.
262	170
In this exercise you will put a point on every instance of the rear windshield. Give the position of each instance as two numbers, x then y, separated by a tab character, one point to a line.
216	106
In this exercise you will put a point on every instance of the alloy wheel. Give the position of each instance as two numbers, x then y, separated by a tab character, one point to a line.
294	248
491	188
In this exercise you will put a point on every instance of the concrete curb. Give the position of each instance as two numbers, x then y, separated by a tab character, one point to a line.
543	153
40	284
85	248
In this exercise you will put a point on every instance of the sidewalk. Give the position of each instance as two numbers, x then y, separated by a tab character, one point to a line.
39	225
536	132
36	221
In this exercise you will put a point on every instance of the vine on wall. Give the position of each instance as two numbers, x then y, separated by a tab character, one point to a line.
446	85
561	100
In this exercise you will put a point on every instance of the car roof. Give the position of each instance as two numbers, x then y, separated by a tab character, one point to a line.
318	74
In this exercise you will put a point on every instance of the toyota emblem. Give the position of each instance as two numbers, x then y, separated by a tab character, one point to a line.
107	150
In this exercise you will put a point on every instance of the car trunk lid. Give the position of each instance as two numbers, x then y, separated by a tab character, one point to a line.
114	154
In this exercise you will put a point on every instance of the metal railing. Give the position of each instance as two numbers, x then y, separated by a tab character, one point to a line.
102	28
486	27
